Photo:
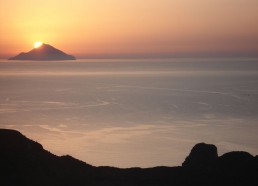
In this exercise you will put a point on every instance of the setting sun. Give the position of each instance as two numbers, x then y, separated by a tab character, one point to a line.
91	89
37	44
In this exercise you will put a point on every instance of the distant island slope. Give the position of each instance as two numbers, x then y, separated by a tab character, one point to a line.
25	162
43	53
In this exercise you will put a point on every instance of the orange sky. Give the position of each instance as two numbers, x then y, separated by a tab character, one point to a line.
114	27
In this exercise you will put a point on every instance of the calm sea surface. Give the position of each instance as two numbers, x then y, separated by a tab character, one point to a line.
130	113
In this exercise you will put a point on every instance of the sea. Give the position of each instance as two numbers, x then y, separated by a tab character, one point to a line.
132	112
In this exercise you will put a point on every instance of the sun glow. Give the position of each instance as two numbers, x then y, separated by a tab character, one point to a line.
37	44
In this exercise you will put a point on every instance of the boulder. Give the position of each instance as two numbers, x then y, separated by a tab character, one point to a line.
201	155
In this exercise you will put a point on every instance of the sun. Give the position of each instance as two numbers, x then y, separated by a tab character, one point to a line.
37	44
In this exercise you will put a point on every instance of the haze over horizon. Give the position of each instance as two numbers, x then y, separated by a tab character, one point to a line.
195	80
146	28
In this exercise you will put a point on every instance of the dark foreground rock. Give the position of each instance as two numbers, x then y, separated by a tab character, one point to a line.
25	162
202	155
43	53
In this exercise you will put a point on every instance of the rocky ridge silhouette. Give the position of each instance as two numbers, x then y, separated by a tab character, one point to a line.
25	162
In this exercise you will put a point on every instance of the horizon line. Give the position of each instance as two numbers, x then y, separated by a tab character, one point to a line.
234	54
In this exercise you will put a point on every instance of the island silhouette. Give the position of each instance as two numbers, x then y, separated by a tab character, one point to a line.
25	162
45	52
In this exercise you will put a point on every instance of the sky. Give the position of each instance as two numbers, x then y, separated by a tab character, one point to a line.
101	28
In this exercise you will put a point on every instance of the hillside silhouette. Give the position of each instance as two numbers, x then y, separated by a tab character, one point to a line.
25	162
44	53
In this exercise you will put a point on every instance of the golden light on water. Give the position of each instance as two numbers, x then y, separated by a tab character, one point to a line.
37	44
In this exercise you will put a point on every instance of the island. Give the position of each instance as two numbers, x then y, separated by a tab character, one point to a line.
45	52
